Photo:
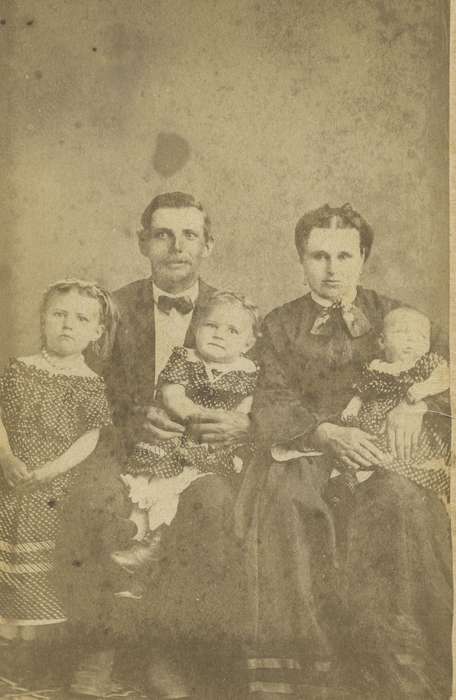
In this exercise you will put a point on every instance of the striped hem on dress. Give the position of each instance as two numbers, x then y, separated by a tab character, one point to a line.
266	687
26	623
279	675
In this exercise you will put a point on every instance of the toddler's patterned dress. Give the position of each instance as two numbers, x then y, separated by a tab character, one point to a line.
180	460
44	414
380	392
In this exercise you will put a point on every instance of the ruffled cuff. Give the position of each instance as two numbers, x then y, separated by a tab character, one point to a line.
301	445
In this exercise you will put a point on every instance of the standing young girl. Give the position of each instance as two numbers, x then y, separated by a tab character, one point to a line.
52	409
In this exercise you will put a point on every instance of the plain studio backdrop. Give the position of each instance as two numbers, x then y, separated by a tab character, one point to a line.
260	108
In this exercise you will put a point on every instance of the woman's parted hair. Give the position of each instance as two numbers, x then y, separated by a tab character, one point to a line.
109	315
337	217
234	299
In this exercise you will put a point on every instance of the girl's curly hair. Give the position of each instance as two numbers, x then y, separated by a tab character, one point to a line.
109	314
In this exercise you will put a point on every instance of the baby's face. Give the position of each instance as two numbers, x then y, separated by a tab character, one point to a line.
224	334
406	337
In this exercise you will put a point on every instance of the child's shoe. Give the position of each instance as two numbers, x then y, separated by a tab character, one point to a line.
139	555
135	591
133	558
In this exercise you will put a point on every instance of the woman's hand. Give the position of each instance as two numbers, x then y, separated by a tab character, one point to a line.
354	447
403	428
216	426
14	470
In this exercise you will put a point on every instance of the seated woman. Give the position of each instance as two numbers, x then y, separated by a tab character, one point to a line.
364	585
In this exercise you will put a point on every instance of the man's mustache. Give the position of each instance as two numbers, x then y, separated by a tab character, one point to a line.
177	260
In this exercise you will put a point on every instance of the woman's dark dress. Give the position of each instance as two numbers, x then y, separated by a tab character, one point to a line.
368	578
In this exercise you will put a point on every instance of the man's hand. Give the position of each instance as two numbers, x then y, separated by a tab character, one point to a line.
354	447
14	470
158	425
403	428
216	426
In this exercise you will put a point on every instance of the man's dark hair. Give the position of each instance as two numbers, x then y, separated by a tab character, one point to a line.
174	200
337	217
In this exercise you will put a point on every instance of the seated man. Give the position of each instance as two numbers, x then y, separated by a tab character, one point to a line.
188	605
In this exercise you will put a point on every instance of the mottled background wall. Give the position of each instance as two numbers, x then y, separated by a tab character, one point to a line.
261	108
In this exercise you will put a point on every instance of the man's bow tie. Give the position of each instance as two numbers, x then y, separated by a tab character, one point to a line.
354	319
184	305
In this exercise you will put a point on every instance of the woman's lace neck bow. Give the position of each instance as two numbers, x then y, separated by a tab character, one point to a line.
355	320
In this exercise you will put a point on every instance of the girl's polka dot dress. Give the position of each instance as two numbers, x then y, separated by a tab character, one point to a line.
380	392
44	414
209	389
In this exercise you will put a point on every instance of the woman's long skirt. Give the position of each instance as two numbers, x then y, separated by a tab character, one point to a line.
348	593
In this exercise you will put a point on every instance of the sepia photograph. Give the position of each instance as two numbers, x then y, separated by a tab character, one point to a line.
225	417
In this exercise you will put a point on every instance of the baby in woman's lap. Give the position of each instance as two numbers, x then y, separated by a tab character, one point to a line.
407	372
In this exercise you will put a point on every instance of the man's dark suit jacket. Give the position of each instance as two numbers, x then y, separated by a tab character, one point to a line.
130	374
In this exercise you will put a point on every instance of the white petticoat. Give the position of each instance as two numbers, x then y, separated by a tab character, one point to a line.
159	498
